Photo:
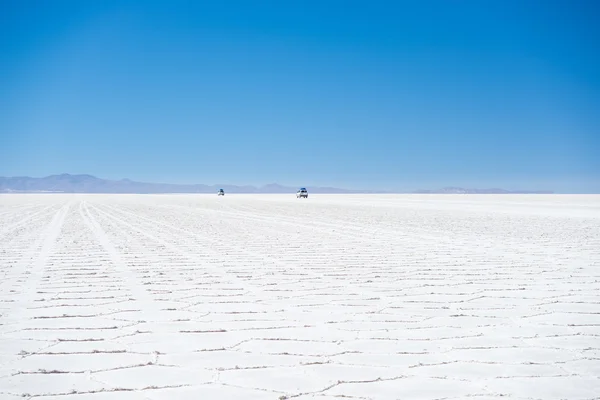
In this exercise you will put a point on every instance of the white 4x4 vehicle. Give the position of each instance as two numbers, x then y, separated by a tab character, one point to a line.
302	192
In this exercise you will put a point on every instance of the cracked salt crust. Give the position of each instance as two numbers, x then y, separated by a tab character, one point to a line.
108	297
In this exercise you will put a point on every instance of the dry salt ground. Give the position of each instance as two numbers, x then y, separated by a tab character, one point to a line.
107	297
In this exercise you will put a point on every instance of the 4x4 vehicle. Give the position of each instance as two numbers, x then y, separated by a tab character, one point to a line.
302	192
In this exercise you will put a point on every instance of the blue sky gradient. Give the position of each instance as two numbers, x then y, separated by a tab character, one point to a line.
394	95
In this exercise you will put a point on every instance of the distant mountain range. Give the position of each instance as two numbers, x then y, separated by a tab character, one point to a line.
459	190
67	183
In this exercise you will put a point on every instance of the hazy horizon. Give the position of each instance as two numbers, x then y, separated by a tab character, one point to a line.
394	96
95	183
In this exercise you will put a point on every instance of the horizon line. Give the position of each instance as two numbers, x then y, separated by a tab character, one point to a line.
444	188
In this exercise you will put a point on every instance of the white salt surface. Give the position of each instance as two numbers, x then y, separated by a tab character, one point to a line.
106	297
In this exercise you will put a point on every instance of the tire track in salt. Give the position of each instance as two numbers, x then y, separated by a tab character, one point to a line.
18	252
33	276
10	211
140	294
175	249
265	259
23	221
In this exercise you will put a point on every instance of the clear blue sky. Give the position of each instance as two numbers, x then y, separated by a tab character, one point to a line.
359	94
